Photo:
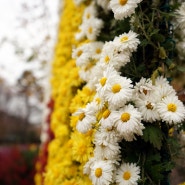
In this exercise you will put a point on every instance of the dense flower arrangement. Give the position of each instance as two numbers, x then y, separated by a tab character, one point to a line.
119	122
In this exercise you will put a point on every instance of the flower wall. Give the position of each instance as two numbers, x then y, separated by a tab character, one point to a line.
117	119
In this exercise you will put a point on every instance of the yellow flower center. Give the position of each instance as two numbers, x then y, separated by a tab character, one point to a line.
116	88
149	106
98	51
122	2
106	113
90	30
81	116
172	107
125	117
123	39
98	100
126	175
103	81
79	53
98	172
107	59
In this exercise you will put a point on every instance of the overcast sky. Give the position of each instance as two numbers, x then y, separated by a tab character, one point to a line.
32	34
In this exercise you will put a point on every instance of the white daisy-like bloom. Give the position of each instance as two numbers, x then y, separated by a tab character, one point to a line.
180	16
88	164
160	81
107	151
104	4
105	136
127	41
86	117
121	59
100	102
109	73
107	118
82	55
171	110
128	174
92	28
96	49
101	172
111	55
118	92
93	75
128	122
89	12
107	54
163	88
123	8
163	91
143	87
147	105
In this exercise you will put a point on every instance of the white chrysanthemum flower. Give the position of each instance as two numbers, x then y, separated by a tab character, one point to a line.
89	12
96	49
107	55
143	87
82	55
108	74
118	92
121	59
92	76
107	119
86	117
108	151
88	164
101	172
128	174
127	41
171	110
100	102
180	16
105	136
104	4
112	55
160	81
163	88
92	28
128	122
123	8
148	108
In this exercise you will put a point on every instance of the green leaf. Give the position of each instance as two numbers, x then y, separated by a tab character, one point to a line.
154	135
158	37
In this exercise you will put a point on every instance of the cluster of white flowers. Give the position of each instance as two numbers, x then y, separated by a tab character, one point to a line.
158	101
119	106
91	24
121	8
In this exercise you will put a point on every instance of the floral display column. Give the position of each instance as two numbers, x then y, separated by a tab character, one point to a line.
117	118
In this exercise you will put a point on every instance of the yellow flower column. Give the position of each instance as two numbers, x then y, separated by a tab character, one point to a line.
61	169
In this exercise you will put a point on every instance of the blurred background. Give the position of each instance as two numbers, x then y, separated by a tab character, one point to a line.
28	32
